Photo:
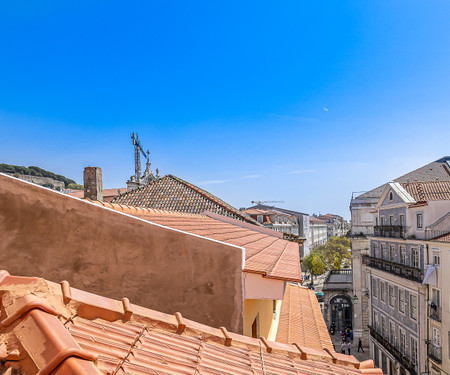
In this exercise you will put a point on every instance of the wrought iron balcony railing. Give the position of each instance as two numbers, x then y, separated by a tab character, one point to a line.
393	231
402	359
435	352
402	270
435	313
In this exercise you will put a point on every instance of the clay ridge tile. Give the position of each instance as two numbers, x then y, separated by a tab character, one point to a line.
152	334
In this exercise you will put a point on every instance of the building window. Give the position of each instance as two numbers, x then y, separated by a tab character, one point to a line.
419	221
376	324
414	351
382	291
436	337
392	253
382	220
436	257
402	255
391	219
401	300
391	196
415	258
384	251
255	327
402	342
402	220
374	287
260	218
413	306
436	297
391	296
392	333
383	325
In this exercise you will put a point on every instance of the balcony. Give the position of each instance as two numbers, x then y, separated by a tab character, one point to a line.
402	270
403	360
392	231
435	353
435	313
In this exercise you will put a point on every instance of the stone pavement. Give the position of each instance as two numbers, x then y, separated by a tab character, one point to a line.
336	339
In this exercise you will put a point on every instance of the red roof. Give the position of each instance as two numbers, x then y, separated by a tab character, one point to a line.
174	194
265	253
428	191
55	329
301	320
108	194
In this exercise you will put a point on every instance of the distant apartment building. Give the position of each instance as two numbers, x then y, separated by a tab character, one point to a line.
362	208
406	218
438	300
336	225
318	231
301	224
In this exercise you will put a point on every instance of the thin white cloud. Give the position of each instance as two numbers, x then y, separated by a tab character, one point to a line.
325	109
302	171
253	176
211	182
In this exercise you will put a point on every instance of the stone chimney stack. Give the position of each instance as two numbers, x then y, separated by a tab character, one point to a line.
93	185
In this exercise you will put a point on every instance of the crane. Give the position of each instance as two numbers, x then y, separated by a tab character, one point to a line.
137	156
262	202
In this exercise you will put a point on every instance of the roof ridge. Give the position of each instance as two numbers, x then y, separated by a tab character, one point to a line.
212	197
79	303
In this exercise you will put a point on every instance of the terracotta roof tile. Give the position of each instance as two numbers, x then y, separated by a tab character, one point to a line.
428	191
438	170
268	255
301	320
174	194
81	337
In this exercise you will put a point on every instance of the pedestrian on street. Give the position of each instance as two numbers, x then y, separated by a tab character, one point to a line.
349	346
360	346
343	347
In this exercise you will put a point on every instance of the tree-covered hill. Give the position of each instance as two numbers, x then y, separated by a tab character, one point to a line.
36	171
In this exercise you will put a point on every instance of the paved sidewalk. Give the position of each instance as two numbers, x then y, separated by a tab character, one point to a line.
336	339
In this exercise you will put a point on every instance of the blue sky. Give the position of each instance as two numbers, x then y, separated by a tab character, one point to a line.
298	101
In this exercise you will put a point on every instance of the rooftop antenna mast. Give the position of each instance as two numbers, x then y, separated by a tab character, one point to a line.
137	156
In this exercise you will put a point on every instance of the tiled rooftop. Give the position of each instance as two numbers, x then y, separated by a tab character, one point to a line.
174	194
438	170
108	194
48	328
301	320
265	252
429	191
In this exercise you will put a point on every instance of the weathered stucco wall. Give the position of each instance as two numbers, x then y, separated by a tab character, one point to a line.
51	235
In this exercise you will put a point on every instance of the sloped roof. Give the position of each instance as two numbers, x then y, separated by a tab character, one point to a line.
301	320
106	192
442	238
429	191
174	194
264	207
265	251
53	328
438	170
313	220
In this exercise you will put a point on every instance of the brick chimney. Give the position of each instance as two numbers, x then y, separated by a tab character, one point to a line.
93	186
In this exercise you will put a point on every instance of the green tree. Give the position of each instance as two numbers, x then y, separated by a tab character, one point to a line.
336	251
75	186
314	263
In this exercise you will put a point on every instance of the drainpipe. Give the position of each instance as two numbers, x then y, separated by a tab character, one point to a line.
427	341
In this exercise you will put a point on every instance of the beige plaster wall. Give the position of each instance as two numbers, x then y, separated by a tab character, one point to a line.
51	235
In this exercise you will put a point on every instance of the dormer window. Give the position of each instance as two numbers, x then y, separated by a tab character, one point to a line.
391	196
